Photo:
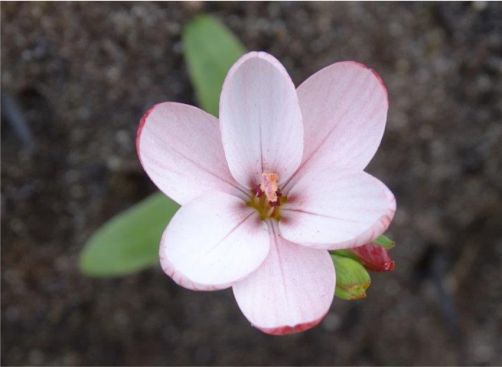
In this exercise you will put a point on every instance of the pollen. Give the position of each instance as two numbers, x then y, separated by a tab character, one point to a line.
269	185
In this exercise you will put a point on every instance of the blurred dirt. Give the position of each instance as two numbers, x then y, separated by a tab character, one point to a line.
83	73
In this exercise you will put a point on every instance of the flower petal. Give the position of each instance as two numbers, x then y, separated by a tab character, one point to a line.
212	242
290	292
336	209
261	121
180	148
344	110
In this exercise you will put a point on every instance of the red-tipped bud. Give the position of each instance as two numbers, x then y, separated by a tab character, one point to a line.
374	257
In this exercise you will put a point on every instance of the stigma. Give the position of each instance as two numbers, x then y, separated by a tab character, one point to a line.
270	185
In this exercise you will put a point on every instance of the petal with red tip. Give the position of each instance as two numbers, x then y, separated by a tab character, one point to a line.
180	148
290	292
344	110
336	209
212	242
261	121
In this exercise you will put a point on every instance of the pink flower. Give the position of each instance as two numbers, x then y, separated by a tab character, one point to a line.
271	187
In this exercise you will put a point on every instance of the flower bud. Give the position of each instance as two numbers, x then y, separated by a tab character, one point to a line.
374	257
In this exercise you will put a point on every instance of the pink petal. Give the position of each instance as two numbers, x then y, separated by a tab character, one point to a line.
292	290
180	148
336	209
344	110
212	242
261	121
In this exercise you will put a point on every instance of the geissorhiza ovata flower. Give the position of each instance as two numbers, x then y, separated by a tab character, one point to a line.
271	187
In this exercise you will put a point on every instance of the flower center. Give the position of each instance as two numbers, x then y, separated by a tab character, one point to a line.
267	197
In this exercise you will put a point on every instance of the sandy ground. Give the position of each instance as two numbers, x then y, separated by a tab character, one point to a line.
83	74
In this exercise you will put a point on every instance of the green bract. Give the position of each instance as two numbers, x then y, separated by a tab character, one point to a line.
352	279
385	242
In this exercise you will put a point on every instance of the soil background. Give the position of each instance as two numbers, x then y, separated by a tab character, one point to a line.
82	74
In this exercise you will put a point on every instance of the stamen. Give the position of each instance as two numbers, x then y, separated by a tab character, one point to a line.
267	198
269	185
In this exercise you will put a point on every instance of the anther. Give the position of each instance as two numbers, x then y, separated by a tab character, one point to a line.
269	185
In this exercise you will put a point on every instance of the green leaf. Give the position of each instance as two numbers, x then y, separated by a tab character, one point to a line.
385	242
210	50
352	279
129	241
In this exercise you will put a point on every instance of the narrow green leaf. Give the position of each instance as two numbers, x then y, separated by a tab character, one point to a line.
352	279
129	241
210	50
385	242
